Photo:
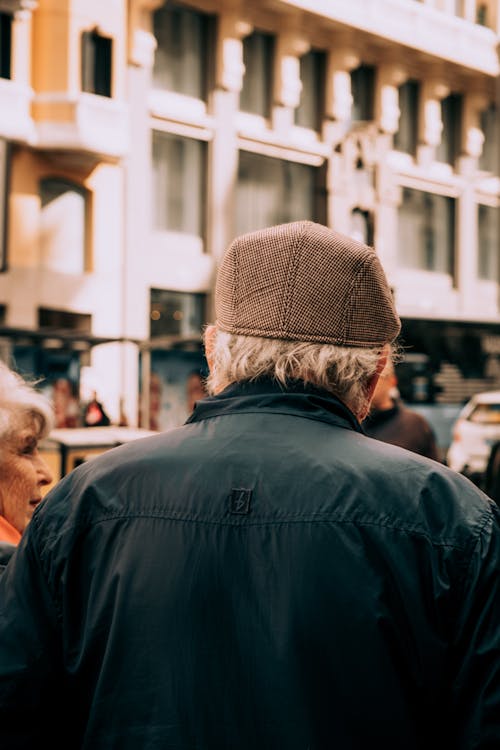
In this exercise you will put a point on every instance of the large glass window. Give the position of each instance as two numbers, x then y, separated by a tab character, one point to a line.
258	52
63	226
178	183
176	313
406	137
482	14
5	45
312	74
489	159
488	244
97	52
273	191
181	57
361	228
363	93
426	231
451	113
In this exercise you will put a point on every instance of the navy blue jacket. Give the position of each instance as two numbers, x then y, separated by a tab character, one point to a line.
266	577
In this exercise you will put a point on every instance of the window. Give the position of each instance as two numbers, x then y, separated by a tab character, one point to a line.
63	226
312	74
488	244
62	319
482	14
273	191
362	90
451	113
96	63
178	183
361	228
258	52
426	231
5	45
407	135
176	313
489	159
183	37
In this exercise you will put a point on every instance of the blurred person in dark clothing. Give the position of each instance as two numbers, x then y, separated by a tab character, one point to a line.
94	414
195	389
492	474
265	577
392	422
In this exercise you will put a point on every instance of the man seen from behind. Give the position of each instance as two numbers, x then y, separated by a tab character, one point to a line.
266	576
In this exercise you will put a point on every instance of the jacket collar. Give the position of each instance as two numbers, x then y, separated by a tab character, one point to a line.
296	398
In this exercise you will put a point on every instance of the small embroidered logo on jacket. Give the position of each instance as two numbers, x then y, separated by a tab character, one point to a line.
239	501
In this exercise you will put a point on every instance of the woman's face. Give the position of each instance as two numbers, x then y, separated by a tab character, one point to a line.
23	473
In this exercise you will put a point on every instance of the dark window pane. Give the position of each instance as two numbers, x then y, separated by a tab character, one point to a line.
482	14
183	37
64	320
362	227
489	159
312	74
488	244
5	45
451	113
406	137
273	191
426	231
96	63
258	50
178	183
363	91
176	313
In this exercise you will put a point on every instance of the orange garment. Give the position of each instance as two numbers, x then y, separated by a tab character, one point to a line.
8	533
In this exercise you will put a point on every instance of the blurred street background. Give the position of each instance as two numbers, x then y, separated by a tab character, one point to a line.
138	137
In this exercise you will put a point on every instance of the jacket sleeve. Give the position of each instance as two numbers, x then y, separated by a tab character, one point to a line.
475	716
30	665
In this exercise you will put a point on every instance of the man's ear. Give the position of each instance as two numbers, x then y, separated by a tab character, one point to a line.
209	341
372	382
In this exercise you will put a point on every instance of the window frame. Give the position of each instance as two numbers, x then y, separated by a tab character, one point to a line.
86	194
6	23
96	63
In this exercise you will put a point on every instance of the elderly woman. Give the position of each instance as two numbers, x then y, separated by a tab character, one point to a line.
25	417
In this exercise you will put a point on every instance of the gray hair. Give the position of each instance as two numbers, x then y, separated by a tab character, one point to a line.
344	371
19	400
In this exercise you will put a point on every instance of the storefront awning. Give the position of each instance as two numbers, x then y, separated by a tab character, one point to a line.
57	338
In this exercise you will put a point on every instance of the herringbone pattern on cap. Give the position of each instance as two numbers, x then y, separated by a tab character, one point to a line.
304	282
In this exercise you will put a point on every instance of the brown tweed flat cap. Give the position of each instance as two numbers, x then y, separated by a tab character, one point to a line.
304	282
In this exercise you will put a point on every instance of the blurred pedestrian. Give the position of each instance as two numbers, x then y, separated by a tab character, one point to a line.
392	422
66	405
195	389
25	417
265	576
94	414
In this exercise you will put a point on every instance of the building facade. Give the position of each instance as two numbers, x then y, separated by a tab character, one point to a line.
138	138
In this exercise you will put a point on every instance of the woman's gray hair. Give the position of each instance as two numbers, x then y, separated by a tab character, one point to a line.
19	400
344	371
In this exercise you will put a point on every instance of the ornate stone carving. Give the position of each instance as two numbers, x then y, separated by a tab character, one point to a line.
142	43
230	68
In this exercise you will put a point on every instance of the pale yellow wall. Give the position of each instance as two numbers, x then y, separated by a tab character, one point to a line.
58	25
27	169
51	31
24	209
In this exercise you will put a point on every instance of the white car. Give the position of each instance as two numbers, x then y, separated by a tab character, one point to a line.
476	429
